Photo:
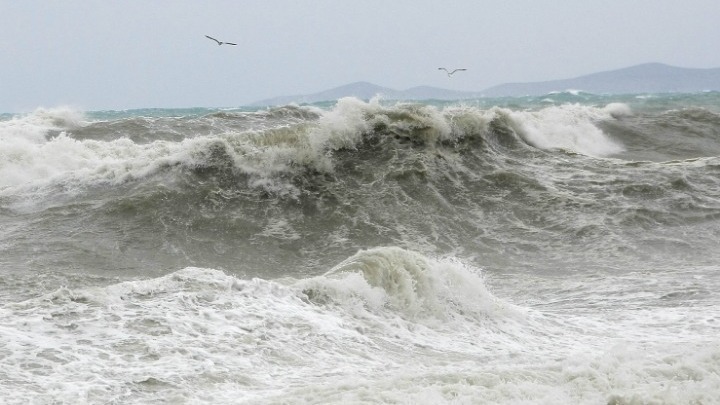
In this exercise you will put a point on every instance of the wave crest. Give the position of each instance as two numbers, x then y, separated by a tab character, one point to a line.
312	141
569	127
409	285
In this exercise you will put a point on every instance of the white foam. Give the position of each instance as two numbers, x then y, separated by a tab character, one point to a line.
410	285
31	160
196	333
570	127
34	126
385	325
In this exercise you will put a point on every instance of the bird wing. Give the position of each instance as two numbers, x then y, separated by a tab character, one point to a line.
229	43
457	70
208	36
443	69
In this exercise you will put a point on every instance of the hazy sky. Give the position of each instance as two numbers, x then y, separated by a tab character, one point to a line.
98	54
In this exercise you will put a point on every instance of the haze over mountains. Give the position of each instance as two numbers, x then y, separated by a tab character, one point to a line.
645	78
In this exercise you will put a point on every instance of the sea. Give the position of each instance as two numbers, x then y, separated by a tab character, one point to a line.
562	249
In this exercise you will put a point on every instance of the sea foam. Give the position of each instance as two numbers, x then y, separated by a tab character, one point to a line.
572	127
387	324
40	148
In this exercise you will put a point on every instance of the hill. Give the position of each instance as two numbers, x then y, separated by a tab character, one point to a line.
366	91
645	78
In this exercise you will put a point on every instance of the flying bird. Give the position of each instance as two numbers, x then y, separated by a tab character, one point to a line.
219	42
449	73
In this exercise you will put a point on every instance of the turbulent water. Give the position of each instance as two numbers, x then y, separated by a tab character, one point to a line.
561	249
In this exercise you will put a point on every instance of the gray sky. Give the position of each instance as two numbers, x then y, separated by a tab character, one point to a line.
97	54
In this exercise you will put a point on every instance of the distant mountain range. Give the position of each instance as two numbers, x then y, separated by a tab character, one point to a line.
366	91
645	78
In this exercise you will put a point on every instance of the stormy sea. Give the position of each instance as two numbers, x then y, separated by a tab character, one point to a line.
562	249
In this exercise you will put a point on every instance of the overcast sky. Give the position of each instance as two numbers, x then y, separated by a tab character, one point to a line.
97	54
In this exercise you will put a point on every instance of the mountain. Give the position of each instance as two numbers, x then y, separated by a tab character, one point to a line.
645	78
366	91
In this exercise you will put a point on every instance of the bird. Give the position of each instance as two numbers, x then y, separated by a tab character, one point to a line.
219	42
449	73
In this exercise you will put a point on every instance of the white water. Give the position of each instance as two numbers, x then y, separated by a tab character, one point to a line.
571	127
28	158
386	325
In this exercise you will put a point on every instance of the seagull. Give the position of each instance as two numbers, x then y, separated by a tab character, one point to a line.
219	42
449	73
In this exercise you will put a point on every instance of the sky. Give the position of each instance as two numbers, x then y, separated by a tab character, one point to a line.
126	54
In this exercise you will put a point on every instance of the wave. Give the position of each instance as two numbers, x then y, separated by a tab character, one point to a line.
384	323
572	128
35	127
314	185
668	135
57	145
202	325
409	285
